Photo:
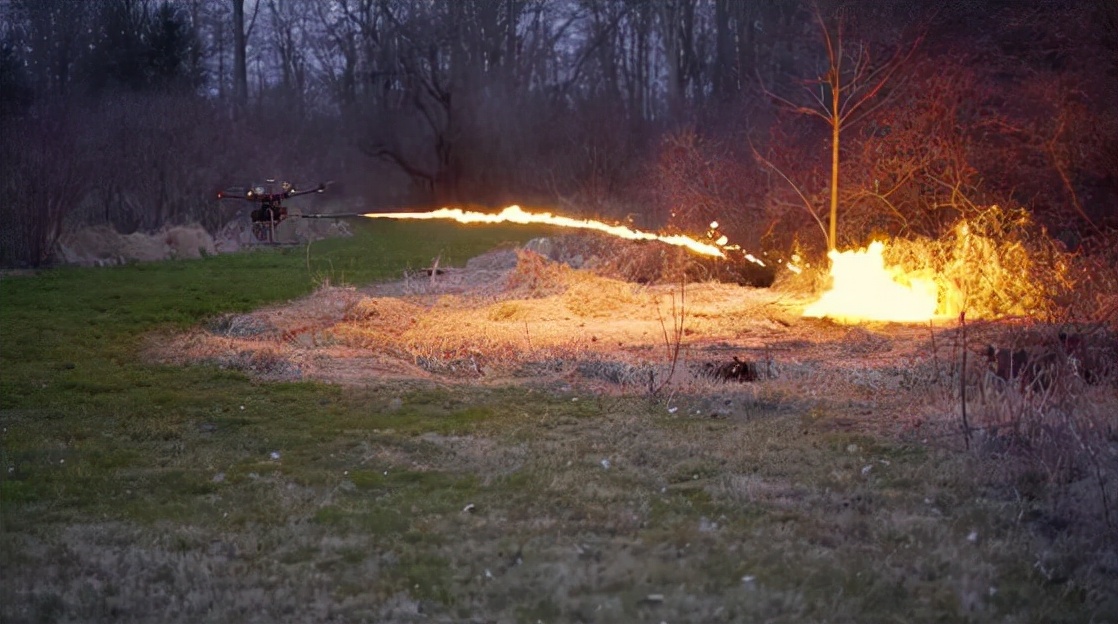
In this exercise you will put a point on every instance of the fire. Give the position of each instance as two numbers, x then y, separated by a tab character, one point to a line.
514	214
865	289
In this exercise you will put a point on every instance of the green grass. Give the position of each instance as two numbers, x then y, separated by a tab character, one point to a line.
247	501
71	384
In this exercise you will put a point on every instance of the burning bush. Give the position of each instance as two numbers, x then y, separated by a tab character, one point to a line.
996	264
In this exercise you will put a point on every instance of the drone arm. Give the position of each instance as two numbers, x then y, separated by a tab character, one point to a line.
318	189
225	195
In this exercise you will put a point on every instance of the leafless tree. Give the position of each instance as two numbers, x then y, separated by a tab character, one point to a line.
847	90
241	35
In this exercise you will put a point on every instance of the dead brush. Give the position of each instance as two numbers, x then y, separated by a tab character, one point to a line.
559	359
376	323
1063	438
447	358
1094	272
1046	408
621	374
451	354
239	326
536	276
637	262
592	296
1042	404
265	363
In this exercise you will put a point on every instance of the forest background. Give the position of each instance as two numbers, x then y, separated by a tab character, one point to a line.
668	114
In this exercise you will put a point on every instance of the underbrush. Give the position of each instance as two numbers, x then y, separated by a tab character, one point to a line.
1029	376
1036	405
1040	388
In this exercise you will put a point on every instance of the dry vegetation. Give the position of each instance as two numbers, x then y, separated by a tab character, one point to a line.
518	317
521	440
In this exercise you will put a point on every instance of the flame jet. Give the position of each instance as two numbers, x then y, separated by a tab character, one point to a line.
514	214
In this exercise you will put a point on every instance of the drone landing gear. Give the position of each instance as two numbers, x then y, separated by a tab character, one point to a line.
264	231
264	221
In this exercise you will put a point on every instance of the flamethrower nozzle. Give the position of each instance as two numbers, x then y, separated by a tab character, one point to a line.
339	215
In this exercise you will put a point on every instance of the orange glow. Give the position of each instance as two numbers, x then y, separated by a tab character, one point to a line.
864	289
514	214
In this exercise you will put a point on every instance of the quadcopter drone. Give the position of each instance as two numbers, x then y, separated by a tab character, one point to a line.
271	211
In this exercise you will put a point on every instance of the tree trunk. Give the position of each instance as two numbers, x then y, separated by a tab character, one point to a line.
836	129
724	83
240	66
671	30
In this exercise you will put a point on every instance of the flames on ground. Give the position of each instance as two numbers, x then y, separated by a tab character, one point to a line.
865	289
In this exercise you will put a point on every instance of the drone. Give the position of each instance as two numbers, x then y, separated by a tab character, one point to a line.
271	211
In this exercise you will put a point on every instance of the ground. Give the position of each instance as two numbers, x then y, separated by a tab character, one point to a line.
521	441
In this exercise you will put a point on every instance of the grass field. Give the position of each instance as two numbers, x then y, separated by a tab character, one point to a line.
132	492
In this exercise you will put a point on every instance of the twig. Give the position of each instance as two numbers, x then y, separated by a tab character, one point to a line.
935	354
674	341
963	379
435	269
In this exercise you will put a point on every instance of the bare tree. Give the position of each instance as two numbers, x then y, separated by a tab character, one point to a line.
677	31
289	19
446	63
841	96
348	34
240	64
55	35
241	34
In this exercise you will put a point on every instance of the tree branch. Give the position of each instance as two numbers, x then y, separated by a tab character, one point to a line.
807	203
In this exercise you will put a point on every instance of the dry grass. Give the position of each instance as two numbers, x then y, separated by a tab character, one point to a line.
853	434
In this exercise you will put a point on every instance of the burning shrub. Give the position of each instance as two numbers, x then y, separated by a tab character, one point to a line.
995	264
